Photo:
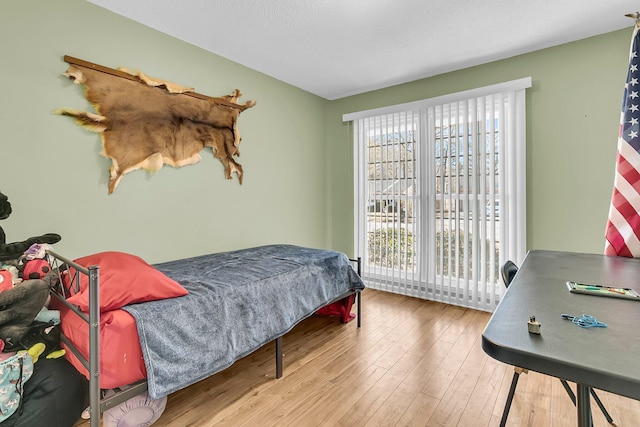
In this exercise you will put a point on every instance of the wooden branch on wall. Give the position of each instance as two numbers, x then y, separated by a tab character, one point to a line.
124	75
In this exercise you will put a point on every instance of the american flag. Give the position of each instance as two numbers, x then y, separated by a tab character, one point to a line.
623	227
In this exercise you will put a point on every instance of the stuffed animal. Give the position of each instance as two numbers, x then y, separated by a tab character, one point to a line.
19	307
22	325
16	249
42	339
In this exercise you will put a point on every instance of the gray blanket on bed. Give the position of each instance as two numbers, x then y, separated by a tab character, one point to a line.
238	301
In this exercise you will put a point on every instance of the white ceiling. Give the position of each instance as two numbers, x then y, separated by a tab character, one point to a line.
337	48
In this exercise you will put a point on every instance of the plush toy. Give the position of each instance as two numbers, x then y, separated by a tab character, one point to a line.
19	307
16	249
42	339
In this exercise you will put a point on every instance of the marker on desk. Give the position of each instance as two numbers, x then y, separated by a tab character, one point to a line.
606	289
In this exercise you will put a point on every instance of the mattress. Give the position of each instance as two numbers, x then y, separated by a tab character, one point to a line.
121	360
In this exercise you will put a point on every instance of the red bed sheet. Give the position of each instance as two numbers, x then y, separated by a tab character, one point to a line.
121	360
340	308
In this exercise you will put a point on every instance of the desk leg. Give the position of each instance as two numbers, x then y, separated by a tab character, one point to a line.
584	406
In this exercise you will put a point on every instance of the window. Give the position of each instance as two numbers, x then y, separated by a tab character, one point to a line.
440	194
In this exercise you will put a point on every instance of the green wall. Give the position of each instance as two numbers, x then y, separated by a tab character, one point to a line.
57	182
296	152
573	113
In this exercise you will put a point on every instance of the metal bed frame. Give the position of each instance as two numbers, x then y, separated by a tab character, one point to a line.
97	403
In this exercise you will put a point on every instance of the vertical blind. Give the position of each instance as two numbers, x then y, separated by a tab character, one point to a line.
440	194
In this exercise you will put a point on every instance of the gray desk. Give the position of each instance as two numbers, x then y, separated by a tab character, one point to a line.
603	358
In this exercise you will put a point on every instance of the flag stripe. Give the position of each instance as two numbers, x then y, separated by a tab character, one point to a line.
628	157
624	242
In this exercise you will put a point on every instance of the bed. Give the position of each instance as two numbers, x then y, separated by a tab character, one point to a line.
191	318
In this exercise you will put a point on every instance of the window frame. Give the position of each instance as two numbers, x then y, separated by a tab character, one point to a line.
512	197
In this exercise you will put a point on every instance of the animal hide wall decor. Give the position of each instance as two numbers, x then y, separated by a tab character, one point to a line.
146	123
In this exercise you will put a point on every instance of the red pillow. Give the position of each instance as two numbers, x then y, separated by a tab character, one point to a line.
124	279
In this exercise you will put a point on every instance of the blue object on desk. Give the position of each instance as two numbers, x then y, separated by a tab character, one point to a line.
585	321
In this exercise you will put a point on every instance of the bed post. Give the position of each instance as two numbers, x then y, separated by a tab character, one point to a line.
94	345
279	357
359	321
359	270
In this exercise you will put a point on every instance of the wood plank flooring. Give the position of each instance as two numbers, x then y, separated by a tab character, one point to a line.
412	363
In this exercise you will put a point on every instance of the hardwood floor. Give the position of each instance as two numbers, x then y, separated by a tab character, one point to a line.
412	363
